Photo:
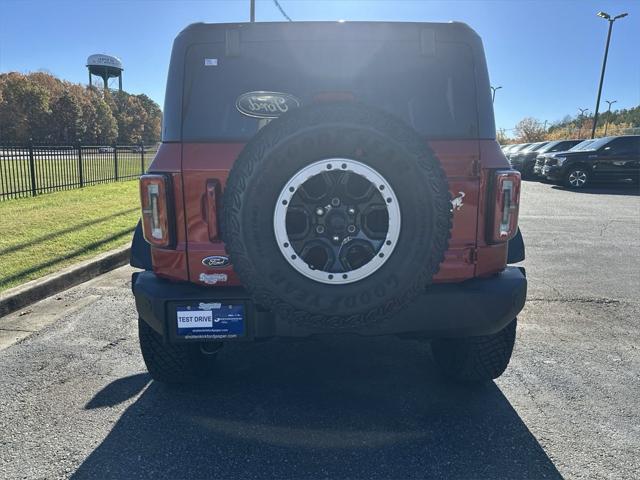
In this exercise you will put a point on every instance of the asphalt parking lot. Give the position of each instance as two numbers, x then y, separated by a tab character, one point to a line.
75	399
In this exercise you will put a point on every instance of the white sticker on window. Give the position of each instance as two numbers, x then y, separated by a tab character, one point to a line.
195	319
210	62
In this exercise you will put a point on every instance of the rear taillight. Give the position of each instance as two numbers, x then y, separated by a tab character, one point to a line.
154	192
506	205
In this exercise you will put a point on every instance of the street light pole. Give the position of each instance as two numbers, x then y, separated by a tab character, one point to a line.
581	120
606	125
252	11
607	17
493	93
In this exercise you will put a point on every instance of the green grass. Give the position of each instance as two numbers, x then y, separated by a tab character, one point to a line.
43	234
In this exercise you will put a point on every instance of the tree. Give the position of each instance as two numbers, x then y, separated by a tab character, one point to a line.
24	109
44	108
102	127
152	125
502	137
620	122
529	130
66	118
130	115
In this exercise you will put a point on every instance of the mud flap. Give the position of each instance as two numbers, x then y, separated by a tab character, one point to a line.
140	250
516	249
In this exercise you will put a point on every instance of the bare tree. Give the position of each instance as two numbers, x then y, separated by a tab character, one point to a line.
529	130
502	137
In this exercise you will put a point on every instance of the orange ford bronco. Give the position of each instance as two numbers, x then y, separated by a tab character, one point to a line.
328	178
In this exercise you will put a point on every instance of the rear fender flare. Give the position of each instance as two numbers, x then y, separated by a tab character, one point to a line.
515	248
140	250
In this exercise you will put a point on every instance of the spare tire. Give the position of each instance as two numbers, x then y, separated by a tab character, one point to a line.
336	215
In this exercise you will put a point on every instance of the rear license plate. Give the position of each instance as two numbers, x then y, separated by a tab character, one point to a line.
210	320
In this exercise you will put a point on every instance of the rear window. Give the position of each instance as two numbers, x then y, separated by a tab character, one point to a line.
434	94
550	147
534	147
563	146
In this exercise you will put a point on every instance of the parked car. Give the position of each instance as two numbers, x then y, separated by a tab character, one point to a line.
507	148
514	151
549	149
550	158
604	160
320	207
517	159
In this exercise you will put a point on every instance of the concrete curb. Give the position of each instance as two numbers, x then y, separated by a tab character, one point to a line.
23	295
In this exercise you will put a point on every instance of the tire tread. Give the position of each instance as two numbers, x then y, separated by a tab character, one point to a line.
475	359
168	363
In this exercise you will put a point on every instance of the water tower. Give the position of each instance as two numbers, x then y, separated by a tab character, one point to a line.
106	67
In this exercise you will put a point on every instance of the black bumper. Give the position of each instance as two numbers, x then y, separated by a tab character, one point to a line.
480	306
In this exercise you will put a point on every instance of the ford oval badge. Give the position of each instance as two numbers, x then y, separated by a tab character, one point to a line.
266	104
215	261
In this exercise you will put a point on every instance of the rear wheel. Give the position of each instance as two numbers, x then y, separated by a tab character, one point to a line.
475	359
171	363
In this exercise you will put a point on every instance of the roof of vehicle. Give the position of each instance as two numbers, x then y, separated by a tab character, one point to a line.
256	31
597	143
532	147
554	143
239	36
519	147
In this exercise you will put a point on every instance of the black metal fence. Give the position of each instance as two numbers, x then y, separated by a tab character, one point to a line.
29	170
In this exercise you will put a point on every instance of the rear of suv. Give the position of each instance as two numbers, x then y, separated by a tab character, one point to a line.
328	178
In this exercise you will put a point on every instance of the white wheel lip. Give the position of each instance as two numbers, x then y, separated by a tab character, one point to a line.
284	198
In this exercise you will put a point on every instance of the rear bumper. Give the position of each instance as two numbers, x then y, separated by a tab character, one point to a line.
480	306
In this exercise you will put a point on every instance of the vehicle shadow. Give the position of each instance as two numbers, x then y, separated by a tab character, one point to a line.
330	408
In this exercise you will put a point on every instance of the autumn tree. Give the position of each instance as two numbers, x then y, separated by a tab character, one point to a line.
153	119
66	118
529	130
102	127
43	108
24	109
502	138
138	117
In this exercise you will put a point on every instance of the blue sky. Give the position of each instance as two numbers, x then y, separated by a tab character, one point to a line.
545	54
